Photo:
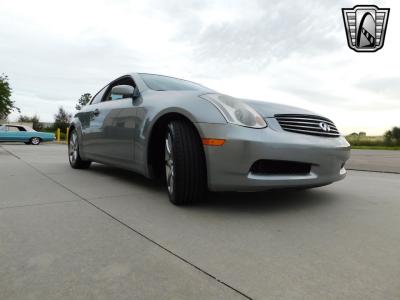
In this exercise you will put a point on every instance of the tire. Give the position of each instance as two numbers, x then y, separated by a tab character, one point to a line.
74	157
34	141
185	169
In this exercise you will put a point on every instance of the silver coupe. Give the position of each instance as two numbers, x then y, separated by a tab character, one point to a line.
198	140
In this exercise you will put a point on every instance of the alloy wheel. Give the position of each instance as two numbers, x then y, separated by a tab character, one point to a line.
169	163
35	141
73	147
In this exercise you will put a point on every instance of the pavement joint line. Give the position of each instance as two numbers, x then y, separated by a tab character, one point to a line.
38	204
374	171
135	230
9	152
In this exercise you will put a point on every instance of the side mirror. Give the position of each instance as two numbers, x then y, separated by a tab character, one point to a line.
123	91
136	93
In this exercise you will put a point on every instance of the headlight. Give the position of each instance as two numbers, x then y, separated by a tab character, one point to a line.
235	111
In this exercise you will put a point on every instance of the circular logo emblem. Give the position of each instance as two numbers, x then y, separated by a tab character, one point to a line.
325	126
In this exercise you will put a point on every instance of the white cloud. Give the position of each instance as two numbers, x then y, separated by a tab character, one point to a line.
288	51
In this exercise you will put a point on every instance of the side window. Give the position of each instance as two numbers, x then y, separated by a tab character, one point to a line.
99	96
12	128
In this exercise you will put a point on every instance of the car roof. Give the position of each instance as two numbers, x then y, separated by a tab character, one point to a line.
141	84
144	73
27	128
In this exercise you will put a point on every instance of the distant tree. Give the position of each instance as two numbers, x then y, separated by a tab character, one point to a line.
62	119
6	104
362	133
83	100
388	137
396	133
24	119
392	136
34	120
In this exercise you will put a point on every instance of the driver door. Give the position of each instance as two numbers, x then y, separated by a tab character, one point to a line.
10	133
109	136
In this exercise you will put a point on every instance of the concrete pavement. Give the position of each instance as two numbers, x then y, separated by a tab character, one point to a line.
105	233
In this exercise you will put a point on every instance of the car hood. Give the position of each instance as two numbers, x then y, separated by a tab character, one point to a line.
268	109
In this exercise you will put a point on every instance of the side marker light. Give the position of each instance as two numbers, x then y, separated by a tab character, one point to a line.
213	142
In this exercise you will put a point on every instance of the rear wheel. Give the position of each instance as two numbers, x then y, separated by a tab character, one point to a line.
34	141
74	157
185	169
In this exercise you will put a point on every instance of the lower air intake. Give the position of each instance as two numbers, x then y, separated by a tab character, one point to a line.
280	167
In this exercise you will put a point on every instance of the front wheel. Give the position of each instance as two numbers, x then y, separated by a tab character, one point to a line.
74	157
185	169
34	141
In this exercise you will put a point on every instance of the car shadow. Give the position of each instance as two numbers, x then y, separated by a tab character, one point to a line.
127	176
271	201
250	202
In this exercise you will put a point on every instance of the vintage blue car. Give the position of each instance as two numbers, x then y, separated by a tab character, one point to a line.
20	133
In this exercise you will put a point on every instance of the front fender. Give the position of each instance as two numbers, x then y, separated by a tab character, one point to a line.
192	107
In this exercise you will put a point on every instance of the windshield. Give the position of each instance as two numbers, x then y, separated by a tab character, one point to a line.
2	128
165	83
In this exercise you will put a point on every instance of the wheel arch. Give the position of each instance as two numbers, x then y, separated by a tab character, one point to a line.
155	145
75	125
71	127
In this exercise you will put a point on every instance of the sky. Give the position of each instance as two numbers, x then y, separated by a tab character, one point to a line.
289	52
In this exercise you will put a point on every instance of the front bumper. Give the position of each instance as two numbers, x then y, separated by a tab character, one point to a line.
228	166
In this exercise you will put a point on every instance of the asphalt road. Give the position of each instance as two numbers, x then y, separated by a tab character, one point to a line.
375	160
105	233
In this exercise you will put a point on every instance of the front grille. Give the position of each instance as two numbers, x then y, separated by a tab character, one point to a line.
308	124
280	167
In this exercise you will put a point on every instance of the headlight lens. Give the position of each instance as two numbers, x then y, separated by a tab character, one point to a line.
235	111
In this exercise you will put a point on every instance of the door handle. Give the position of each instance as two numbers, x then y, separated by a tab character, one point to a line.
96	112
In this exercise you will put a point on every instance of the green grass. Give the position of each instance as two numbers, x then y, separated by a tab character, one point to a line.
371	142
376	147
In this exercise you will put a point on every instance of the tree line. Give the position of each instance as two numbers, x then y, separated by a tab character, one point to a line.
390	138
62	118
